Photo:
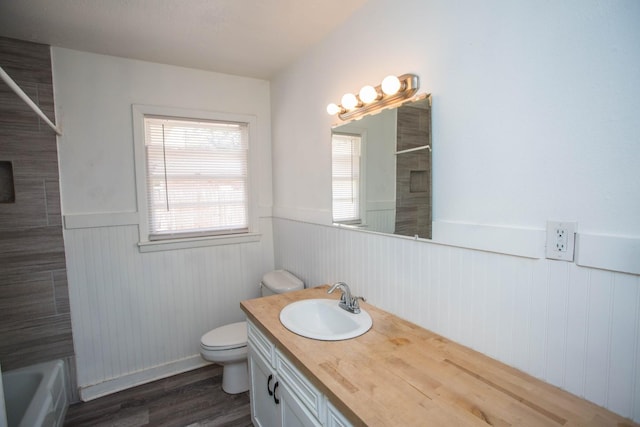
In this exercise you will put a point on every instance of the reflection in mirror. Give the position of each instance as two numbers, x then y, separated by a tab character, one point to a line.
381	171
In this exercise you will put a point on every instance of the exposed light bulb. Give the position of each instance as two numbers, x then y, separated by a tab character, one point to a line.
349	101
391	85
333	109
368	94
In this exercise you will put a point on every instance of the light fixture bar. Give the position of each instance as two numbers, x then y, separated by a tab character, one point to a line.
409	85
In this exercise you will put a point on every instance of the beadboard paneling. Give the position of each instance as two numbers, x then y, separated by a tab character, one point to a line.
381	220
134	312
574	327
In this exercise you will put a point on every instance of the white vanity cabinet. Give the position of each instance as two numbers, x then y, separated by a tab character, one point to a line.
264	407
335	418
280	394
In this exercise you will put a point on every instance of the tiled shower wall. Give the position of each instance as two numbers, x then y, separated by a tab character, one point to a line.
35	321
575	327
413	173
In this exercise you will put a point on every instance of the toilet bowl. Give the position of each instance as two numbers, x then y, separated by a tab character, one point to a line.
227	345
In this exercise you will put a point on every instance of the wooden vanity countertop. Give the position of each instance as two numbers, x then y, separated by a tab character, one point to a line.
400	374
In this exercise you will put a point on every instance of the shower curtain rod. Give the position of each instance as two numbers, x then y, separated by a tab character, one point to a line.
410	150
13	85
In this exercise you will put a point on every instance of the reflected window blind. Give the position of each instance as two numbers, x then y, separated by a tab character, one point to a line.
196	177
346	177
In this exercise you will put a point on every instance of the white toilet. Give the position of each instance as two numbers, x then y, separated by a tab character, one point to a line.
227	345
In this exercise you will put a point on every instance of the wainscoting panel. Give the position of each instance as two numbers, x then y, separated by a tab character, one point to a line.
383	221
575	327
136	312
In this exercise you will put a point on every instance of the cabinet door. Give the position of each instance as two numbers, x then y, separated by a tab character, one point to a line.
264	411
294	413
305	392
335	418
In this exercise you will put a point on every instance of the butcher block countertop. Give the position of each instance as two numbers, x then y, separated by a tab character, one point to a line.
400	374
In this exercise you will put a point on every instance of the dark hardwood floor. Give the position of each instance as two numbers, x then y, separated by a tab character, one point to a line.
192	399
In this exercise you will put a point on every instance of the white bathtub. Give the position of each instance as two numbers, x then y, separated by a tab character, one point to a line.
36	396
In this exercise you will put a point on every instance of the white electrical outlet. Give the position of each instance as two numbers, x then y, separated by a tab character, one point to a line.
561	238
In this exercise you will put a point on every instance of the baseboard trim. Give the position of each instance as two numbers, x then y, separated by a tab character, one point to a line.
124	382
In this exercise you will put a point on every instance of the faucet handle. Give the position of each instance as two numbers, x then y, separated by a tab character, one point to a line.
354	305
347	301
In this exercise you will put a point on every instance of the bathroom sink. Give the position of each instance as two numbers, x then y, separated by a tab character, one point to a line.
322	319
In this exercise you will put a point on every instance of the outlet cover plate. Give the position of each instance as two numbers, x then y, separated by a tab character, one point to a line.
561	237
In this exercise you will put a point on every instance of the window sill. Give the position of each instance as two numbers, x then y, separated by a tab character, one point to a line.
197	242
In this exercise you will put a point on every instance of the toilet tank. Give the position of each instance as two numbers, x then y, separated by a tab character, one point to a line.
279	282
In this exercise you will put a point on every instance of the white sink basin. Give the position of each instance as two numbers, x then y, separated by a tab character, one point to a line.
322	319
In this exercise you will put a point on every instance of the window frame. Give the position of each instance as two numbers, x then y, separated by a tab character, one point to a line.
145	244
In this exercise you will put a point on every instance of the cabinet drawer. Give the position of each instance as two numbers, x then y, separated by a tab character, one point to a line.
260	343
306	392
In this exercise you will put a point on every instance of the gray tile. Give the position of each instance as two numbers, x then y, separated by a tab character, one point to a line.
413	179
24	60
31	341
61	290
29	208
52	194
28	296
45	102
15	114
32	155
72	379
35	322
31	250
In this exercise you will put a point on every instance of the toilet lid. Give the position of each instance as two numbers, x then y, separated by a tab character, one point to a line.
281	281
225	337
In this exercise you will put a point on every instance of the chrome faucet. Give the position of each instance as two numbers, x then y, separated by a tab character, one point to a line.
347	302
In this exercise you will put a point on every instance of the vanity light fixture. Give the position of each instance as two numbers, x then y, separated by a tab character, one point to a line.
390	85
350	101
368	94
391	91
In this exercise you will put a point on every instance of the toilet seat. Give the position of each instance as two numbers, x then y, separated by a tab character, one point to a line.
226	337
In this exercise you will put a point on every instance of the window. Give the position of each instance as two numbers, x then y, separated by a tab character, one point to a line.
346	177
193	174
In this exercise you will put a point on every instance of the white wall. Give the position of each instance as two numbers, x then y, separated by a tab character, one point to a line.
535	108
533	111
138	316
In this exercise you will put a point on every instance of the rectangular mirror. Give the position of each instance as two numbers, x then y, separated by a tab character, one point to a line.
381	170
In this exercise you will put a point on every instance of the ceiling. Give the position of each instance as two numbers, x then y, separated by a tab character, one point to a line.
253	38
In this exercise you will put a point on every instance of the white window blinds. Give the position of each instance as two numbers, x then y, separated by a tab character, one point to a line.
196	177
346	177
